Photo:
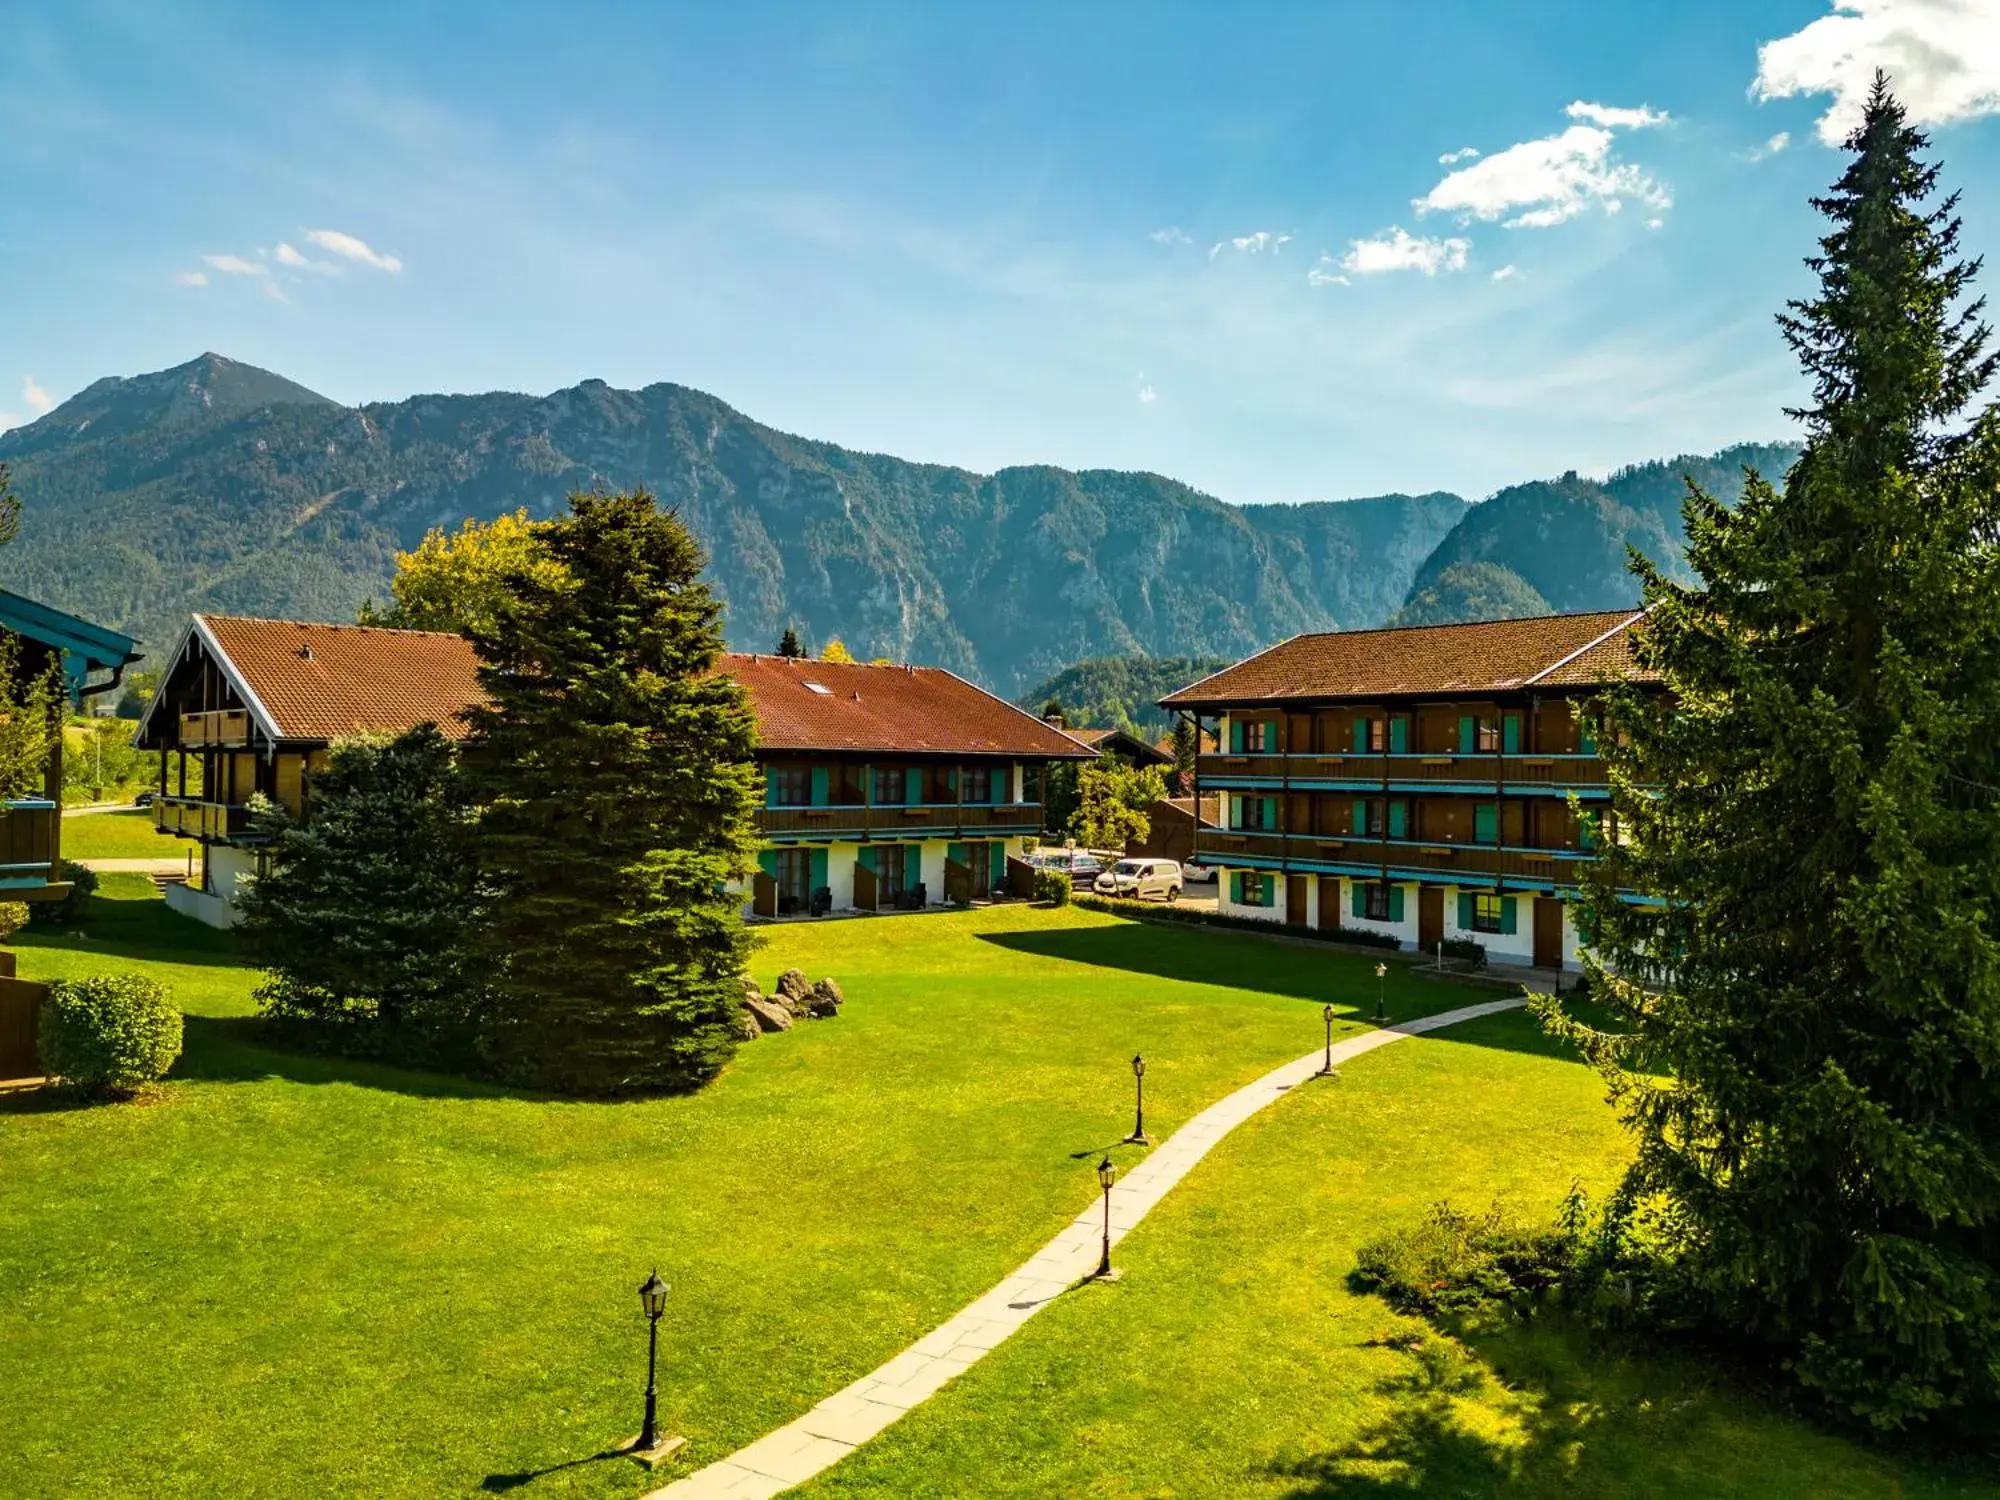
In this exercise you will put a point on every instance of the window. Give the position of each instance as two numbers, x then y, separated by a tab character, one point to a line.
1375	902
1486	739
891	790
1368	814
1488	913
1252	736
791	786
1486	823
1370	736
1254	814
1253	888
978	784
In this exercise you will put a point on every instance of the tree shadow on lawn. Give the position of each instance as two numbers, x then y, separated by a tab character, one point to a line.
1544	1407
241	1049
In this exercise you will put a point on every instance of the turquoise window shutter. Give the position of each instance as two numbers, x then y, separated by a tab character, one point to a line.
1395	903
1507	904
767	861
770	790
1486	822
913	864
819	788
1360	736
998	867
1360	816
1510	734
913	786
1236	887
1465	908
818	869
1399	820
866	858
1586	741
1586	831
1467	734
1356	902
1270	814
1399	736
1236	736
955	853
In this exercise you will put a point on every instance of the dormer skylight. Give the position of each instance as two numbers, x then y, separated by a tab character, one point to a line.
820	688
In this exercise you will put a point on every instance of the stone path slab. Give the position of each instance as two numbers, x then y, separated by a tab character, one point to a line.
845	1420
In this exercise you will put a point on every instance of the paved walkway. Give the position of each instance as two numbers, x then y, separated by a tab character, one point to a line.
137	866
848	1418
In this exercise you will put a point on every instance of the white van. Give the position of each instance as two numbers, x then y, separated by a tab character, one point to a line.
1136	879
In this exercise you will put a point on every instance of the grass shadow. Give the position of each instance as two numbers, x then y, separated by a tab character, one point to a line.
241	1049
501	1484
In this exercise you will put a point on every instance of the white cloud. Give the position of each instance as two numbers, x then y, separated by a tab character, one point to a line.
1655	223
37	398
1540	183
352	249
1942	58
1147	395
1251	244
1506	273
1171	235
1399	250
1613	118
193	278
1326	273
1777	143
287	256
236	265
1463	153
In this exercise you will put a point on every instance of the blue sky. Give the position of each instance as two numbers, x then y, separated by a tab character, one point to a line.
1213	241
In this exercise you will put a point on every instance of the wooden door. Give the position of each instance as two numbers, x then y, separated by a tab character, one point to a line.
1430	917
1548	933
1329	902
1295	900
763	892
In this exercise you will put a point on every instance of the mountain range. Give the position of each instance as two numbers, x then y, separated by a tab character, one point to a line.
217	486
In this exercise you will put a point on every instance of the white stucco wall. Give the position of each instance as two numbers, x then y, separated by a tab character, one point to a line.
1404	932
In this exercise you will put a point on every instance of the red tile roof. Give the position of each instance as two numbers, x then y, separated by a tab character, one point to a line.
1451	660
887	711
319	682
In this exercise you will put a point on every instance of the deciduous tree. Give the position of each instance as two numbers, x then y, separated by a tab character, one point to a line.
456	580
1114	803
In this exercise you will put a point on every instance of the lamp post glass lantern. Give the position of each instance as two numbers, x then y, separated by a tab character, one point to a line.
1381	973
1107	1174
1138	1137
653	1298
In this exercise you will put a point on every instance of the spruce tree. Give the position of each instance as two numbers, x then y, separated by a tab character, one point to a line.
1811	815
615	766
788	644
364	913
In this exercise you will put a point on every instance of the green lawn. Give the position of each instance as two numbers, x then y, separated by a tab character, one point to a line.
1234	1360
117	835
300	1276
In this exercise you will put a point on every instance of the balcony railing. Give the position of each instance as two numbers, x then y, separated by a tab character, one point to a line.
217	729
1417	855
191	818
27	845
1485	769
918	820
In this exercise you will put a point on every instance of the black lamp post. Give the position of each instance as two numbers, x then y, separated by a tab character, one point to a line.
1326	1071
653	1297
1138	1137
1106	1174
1381	971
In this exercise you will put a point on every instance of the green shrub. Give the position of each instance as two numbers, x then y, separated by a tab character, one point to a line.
68	911
1054	887
110	1034
13	917
1455	1262
1194	916
1465	950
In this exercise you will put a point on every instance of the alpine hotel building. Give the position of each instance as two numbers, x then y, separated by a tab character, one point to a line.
1412	782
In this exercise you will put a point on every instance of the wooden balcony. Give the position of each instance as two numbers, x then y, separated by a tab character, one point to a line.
191	818
1555	771
27	848
218	729
1407	858
918	821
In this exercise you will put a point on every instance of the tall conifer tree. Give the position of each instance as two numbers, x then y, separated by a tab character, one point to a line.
1814	810
618	789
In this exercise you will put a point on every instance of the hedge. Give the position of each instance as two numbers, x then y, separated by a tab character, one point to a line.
109	1035
1196	917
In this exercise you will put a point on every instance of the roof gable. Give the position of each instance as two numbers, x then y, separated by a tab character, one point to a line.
1488	656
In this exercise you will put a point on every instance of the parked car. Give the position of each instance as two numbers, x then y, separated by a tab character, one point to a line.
144	799
1136	879
1080	865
